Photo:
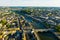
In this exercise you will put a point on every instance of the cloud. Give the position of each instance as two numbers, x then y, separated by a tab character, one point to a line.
49	3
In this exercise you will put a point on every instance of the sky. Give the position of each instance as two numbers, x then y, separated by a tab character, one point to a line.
46	3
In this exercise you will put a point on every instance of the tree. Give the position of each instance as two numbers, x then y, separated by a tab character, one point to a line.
8	25
3	21
49	14
57	27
